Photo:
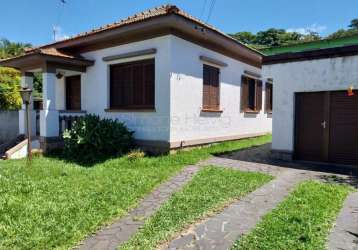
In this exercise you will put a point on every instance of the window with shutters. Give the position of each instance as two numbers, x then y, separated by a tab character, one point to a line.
269	88
132	85
251	94
211	88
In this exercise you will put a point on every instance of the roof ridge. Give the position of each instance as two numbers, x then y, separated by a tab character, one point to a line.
161	10
168	8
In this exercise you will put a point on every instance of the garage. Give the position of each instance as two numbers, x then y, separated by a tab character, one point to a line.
326	127
315	105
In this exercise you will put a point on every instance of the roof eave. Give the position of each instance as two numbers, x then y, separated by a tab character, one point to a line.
316	54
163	25
167	18
39	60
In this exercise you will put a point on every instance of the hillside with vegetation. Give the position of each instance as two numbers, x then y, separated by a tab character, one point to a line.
274	37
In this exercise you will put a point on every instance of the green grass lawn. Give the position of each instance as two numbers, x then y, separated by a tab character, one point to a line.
55	204
210	189
302	221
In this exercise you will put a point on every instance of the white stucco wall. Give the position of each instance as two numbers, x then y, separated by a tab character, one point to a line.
304	76
178	93
95	88
187	121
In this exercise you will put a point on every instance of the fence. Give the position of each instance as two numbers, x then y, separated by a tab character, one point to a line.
9	125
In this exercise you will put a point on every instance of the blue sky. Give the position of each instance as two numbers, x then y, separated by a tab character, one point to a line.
33	20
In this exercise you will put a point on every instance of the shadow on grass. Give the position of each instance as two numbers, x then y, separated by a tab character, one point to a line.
59	154
349	180
262	155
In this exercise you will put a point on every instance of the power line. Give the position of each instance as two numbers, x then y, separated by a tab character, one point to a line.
59	16
203	9
210	10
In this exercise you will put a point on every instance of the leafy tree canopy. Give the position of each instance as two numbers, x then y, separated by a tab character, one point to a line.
343	33
10	78
279	37
244	37
354	24
11	49
9	89
273	37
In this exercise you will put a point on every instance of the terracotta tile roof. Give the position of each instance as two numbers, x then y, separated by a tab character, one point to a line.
52	52
45	51
142	16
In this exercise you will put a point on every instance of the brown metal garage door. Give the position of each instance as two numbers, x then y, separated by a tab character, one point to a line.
326	127
343	141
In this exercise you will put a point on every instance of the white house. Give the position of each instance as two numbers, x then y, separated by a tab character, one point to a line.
171	78
315	104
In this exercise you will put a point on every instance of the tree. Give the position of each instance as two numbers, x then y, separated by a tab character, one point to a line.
10	78
312	36
273	37
354	24
244	37
37	85
11	49
270	37
353	30
9	89
277	37
343	33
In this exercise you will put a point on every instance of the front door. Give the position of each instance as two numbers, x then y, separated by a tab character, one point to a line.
73	92
310	126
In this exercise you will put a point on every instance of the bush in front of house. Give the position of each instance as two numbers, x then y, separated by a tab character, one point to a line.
92	139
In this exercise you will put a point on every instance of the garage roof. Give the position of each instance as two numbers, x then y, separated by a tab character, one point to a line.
344	51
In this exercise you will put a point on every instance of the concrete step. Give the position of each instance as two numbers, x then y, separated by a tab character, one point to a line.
9	144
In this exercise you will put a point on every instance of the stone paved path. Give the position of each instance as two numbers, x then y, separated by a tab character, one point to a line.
222	230
345	233
120	231
246	166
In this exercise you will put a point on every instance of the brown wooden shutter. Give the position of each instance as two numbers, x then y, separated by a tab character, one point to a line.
258	95
215	89
211	87
149	84
132	84
268	97
138	85
244	93
206	87
117	86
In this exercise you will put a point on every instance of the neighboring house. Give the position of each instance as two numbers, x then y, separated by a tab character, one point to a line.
171	78
312	45
315	111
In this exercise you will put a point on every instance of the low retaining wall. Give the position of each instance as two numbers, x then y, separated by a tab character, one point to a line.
9	125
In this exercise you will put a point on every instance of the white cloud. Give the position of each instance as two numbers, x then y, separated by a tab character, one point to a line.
306	30
59	34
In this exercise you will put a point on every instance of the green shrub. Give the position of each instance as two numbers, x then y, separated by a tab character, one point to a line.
92	138
135	154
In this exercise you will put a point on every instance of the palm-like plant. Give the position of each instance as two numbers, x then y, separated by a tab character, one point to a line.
11	49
